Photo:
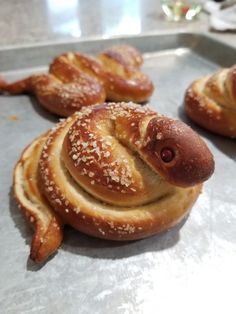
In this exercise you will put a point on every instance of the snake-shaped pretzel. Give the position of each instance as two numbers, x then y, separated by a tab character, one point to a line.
75	80
114	171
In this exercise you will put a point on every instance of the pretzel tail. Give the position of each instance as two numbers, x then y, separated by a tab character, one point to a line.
18	87
47	225
3	84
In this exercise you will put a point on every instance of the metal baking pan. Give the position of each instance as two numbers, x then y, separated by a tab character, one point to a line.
189	269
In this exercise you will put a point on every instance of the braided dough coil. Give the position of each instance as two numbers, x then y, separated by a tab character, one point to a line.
211	102
75	80
113	171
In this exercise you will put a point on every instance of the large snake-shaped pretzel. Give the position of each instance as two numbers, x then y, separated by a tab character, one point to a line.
77	80
114	171
211	102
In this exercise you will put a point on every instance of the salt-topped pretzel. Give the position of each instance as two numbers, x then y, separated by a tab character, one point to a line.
64	90
115	171
211	102
75	80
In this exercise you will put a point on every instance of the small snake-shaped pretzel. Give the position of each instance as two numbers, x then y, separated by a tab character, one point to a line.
75	80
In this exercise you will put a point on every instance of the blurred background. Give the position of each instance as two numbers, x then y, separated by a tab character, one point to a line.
30	21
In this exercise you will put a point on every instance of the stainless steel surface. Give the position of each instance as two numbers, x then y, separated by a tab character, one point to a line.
187	270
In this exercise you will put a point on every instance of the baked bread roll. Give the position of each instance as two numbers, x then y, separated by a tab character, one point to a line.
75	80
211	102
116	171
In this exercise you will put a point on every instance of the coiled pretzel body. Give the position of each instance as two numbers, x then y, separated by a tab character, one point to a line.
107	171
211	102
77	80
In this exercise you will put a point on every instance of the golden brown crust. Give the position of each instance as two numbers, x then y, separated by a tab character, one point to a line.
19	87
64	90
123	79
65	99
211	102
126	55
48	226
3	84
75	80
85	158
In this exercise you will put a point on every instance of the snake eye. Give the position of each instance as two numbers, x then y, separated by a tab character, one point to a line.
167	154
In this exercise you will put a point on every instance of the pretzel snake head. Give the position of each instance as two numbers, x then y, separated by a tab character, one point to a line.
177	152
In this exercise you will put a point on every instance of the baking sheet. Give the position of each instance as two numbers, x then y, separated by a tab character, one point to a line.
189	269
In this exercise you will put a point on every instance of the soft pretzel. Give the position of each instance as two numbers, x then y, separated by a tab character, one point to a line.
211	102
75	80
64	90
114	171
